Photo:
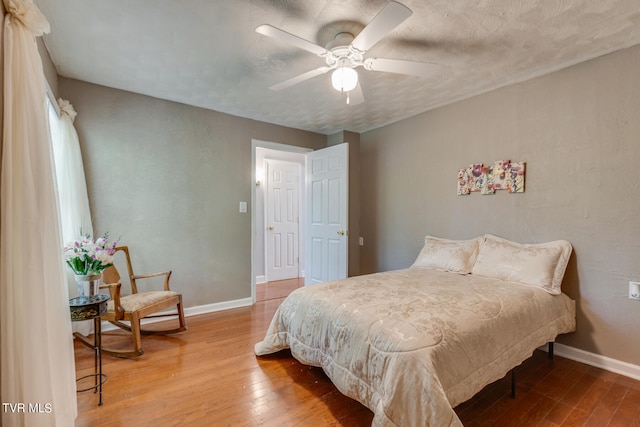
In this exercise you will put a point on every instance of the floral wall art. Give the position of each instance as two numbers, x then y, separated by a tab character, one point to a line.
502	175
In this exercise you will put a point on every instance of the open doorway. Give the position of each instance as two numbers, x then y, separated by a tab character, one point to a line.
277	289
276	216
317	206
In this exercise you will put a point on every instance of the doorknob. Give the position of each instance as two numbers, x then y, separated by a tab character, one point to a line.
271	228
341	233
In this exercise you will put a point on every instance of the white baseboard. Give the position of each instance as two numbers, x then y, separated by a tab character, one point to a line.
190	311
218	306
592	359
261	279
607	363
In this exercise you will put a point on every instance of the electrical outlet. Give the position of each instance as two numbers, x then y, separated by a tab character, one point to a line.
634	290
361	241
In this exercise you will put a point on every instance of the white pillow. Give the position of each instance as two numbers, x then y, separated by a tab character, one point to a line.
456	256
541	264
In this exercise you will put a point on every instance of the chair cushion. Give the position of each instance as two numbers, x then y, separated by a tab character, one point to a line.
135	302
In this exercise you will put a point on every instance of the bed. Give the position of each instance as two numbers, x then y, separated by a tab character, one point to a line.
412	344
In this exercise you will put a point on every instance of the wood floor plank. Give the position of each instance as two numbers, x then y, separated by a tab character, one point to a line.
559	413
209	376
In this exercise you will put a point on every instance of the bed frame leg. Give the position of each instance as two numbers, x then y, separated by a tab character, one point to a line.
513	371
513	383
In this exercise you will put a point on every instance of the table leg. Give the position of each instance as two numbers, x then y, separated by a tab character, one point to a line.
97	334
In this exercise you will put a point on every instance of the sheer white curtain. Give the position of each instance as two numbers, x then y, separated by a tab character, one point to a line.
36	348
72	187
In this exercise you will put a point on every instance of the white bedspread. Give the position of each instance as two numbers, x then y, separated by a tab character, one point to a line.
412	344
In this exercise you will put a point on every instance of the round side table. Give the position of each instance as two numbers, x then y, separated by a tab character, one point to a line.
87	308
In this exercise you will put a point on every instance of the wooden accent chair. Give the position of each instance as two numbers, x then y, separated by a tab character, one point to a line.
137	305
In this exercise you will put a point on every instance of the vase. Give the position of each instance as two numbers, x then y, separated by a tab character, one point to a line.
93	288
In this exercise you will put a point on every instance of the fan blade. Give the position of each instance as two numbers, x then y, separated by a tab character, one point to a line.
356	96
392	15
399	66
277	33
300	78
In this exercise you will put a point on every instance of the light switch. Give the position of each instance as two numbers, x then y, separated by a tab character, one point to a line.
634	290
243	207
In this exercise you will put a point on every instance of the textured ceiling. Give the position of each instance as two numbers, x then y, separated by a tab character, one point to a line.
206	53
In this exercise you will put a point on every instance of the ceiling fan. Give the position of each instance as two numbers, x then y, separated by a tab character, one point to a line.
346	53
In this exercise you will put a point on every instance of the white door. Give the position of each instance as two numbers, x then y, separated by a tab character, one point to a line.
327	233
282	219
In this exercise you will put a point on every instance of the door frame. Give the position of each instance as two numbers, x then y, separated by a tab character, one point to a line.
255	143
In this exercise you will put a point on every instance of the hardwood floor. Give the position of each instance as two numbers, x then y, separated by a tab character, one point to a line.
558	392
277	289
209	376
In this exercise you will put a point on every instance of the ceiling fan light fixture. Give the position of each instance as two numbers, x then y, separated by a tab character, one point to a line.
344	79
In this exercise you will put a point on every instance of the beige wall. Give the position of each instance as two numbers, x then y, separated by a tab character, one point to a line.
168	178
579	132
